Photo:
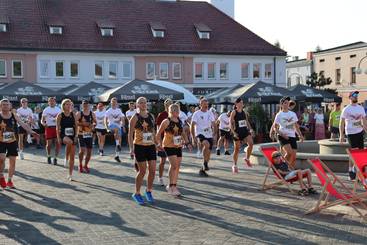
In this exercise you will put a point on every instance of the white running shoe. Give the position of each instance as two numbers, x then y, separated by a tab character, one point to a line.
70	178
169	190
21	155
175	191
160	181
198	154
66	163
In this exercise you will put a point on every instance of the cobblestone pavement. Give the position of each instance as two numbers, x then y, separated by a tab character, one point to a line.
222	209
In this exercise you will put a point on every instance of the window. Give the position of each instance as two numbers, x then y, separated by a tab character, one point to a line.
223	71
337	76
98	69
17	68
204	35
44	68
163	70
256	71
337	58
56	30
353	75
176	70
126	70
3	28
211	71
199	71
352	56
158	33
112	70
150	70
268	70
2	68
59	68
244	70
322	60
74	69
107	32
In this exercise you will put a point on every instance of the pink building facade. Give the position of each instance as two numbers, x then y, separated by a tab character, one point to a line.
18	66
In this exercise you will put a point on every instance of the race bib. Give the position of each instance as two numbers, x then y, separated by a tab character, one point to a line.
87	135
289	126
357	124
24	119
207	130
177	140
242	123
52	120
147	138
69	131
8	136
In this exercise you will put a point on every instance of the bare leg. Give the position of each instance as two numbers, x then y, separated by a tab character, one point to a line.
71	158
172	169
161	166
236	152
88	156
140	176
250	145
11	167
21	142
152	166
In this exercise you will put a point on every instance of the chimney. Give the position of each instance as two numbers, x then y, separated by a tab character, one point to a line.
309	55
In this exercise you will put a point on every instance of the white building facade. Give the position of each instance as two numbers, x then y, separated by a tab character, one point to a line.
298	71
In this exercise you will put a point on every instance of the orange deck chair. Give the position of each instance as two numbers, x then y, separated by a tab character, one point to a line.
330	184
267	151
359	159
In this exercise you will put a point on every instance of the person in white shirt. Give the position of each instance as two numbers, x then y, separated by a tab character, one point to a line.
319	125
25	114
36	125
115	122
225	132
286	126
49	122
353	123
202	130
101	130
131	112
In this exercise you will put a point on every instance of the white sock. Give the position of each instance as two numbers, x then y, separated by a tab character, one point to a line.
117	153
117	142
351	169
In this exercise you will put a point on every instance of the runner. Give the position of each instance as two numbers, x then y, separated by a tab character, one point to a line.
225	132
114	121
131	112
161	153
334	120
26	116
242	134
85	121
101	130
66	133
354	123
36	125
172	144
286	127
143	146
49	122
202	127
8	141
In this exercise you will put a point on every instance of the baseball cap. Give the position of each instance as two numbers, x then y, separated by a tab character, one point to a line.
353	94
85	102
284	99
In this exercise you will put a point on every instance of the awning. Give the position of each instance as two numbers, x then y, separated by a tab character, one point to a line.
21	89
89	91
309	94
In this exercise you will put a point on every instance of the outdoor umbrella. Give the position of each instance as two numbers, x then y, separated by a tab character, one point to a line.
259	92
137	88
67	89
89	91
21	89
309	94
217	96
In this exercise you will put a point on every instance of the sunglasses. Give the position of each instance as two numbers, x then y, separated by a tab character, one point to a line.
276	156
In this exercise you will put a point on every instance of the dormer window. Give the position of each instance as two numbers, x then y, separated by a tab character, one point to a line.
107	32
55	26
3	28
106	28
203	31
4	23
158	30
55	30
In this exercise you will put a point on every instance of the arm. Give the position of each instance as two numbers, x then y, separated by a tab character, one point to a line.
106	121
364	122
24	125
298	131
162	127
231	121
77	119
43	120
341	130
192	129
132	124
58	127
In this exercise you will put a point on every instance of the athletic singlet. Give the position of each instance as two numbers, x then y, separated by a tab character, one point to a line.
67	125
144	130
173	134
86	131
8	129
240	121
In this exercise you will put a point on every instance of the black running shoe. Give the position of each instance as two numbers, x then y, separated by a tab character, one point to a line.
206	167
117	158
352	175
227	153
55	161
49	160
202	173
218	152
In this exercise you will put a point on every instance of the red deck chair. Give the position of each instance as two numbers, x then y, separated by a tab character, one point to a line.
330	188
267	151
359	159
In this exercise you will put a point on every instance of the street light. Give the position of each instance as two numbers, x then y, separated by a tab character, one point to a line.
359	70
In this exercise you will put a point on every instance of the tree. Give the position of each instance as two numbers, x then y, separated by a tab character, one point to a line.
318	48
277	44
319	81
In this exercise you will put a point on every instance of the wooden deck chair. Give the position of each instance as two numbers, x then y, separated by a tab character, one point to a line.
267	151
359	159
331	185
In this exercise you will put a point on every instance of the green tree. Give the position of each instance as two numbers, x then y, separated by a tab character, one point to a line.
319	81
318	48
277	44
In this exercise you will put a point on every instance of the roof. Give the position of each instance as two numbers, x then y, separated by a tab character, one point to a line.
298	63
132	34
343	47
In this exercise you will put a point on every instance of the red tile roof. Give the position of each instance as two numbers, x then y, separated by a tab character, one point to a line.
28	27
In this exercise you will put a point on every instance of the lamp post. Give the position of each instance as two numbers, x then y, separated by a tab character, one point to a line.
359	70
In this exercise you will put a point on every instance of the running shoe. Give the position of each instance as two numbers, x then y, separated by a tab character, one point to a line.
198	154
352	175
303	192
206	167
160	181
202	173
176	192
117	158
248	163
2	182
312	191
227	153
100	152
234	169
86	169
70	178
218	152
66	163
81	168
21	155
10	185
148	195
138	199
49	161
55	161
169	190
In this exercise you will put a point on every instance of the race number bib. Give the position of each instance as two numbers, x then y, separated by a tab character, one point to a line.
289	126
147	138
87	135
177	140
24	119
8	136
357	124
242	123
208	130
69	131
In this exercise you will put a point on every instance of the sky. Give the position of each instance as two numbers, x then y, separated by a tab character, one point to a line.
302	25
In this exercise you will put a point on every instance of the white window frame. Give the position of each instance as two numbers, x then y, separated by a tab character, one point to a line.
202	71
227	71
54	28
109	70
3	27
12	68
107	32
253	71
146	70
63	68
5	75
78	65
123	70
173	71
203	34
158	33
160	69
248	71
271	71
214	72
48	68
102	66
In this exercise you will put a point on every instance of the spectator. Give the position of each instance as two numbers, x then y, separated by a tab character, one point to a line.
319	125
334	121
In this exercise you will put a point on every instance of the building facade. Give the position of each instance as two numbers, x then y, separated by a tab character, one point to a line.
298	71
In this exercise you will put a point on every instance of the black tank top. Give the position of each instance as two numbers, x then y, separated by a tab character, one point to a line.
240	121
8	125
172	125
86	118
67	122
149	123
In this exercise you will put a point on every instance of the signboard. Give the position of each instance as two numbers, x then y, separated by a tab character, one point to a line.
204	91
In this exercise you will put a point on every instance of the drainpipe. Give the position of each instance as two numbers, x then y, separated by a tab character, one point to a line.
275	74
